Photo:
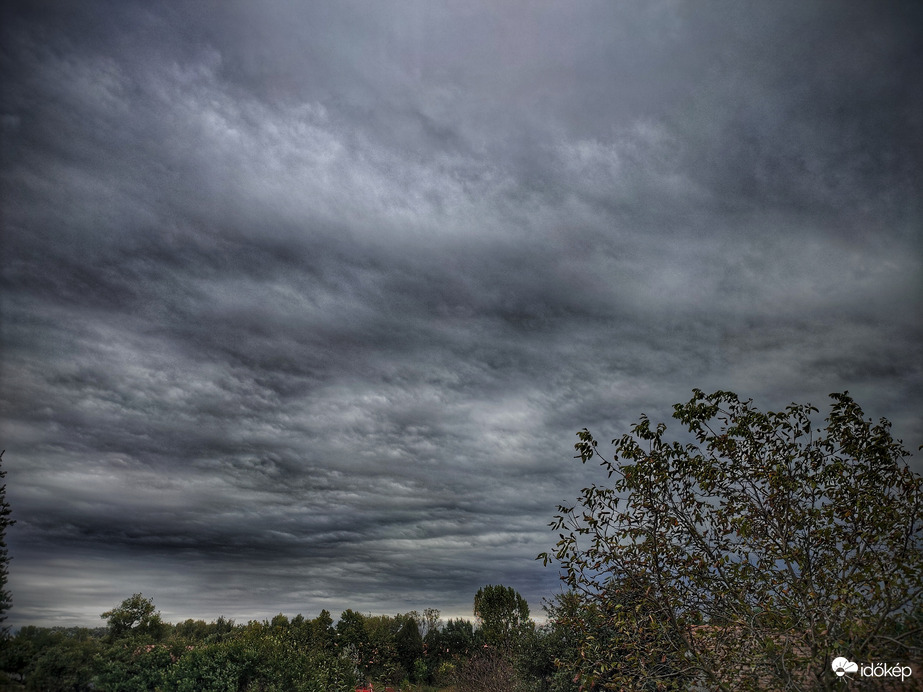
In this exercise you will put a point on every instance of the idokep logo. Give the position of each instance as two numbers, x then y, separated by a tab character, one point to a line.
843	667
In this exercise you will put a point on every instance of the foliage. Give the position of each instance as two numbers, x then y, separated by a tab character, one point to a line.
266	656
126	666
502	613
322	634
201	631
382	648
5	598
135	617
350	629
617	627
457	639
380	659
271	656
559	653
749	557
509	642
409	645
139	652
52	659
223	667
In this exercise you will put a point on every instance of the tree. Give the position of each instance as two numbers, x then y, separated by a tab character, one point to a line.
322	631
754	554
380	659
456	640
135	616
350	628
502	613
408	643
5	599
430	621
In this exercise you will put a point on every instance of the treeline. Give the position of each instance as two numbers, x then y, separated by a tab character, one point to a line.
502	649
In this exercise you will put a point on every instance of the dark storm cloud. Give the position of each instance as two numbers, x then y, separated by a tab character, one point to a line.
302	305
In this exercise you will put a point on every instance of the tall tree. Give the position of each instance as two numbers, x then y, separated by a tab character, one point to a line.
323	633
755	555
502	614
5	598
408	642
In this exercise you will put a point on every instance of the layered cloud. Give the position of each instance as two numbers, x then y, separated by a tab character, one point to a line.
302	306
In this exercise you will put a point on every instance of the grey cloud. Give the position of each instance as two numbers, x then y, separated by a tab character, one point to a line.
302	305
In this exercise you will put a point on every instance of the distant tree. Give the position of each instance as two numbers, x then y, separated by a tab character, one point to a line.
457	639
195	630
5	598
748	558
408	642
221	629
322	631
430	621
426	668
350	628
136	617
352	641
427	622
380	659
502	613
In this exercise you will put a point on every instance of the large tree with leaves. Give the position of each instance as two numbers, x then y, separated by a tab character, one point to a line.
747	556
502	614
135	617
5	522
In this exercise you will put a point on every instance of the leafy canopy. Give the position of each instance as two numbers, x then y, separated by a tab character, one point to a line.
502	614
749	557
136	617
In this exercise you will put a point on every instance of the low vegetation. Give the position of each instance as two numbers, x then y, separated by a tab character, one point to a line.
410	651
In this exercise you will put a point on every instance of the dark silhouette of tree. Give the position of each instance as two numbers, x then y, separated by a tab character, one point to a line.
6	600
408	642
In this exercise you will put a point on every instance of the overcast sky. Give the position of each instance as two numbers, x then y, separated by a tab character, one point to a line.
304	303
